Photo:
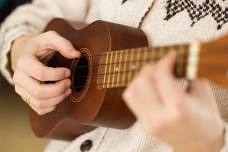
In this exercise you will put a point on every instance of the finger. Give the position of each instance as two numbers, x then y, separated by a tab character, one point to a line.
50	102
21	92
40	107
52	40
41	72
144	81
143	102
43	110
166	84
41	91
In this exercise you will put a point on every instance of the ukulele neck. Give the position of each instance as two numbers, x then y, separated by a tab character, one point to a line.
118	68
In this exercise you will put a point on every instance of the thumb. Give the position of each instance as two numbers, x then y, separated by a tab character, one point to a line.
52	40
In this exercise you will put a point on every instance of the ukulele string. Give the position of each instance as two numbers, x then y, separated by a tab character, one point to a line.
114	72
104	64
136	63
100	85
115	64
142	49
110	73
115	83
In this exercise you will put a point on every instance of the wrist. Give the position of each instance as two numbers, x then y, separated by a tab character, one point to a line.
16	46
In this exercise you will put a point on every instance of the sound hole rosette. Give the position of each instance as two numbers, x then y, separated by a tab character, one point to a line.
78	90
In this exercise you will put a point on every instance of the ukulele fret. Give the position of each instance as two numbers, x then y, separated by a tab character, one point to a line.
115	69
106	69
161	52
109	70
138	60
119	68
152	56
180	60
123	65
146	55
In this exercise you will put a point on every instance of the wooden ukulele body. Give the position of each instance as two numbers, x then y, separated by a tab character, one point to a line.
88	107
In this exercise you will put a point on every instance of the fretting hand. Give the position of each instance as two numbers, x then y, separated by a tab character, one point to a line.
188	121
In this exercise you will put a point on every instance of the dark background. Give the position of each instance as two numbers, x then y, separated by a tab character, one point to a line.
15	131
9	6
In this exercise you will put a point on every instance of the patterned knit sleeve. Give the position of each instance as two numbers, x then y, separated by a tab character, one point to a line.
30	19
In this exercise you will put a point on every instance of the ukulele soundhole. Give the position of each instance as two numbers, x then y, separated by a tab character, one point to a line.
81	74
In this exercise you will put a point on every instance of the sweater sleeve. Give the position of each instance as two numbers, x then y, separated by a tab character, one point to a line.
30	19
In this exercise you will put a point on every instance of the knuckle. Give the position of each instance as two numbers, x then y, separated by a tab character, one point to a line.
56	73
53	108
126	94
15	77
141	81
16	90
153	128
148	72
38	105
21	62
39	112
156	77
178	117
67	42
147	68
40	75
148	129
37	93
156	129
51	33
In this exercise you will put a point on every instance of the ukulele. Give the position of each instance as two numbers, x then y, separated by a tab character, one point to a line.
111	55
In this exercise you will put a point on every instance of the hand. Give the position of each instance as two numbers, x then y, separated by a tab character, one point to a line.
29	71
189	122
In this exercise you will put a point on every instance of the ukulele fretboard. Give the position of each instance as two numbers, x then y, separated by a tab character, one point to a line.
118	68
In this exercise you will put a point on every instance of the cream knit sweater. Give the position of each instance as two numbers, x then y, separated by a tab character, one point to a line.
169	22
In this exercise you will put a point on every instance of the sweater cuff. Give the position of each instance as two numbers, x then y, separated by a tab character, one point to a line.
225	148
8	36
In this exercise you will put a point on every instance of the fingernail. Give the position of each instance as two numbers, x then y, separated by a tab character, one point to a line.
68	83
68	92
67	73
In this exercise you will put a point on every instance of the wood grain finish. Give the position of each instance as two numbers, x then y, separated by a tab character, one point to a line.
100	107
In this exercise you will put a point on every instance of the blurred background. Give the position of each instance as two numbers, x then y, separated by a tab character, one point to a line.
15	131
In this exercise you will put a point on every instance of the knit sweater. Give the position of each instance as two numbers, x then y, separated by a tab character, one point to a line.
168	22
